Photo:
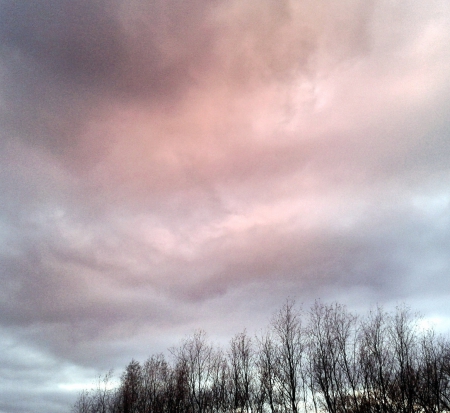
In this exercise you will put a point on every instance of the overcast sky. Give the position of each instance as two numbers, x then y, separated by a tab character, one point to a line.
170	165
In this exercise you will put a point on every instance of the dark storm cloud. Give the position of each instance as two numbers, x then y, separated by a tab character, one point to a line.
63	64
66	64
73	40
52	53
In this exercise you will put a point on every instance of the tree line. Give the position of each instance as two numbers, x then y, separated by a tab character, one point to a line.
327	359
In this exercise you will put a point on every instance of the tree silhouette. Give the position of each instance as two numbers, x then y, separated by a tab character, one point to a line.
324	360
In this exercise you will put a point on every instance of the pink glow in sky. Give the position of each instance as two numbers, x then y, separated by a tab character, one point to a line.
173	165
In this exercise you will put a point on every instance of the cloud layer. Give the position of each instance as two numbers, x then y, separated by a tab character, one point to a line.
171	165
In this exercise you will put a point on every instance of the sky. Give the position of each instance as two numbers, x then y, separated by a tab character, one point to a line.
173	165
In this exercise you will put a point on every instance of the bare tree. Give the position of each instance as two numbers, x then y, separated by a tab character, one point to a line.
131	387
176	396
336	363
345	331
155	374
323	352
83	404
197	355
99	399
376	361
404	343
267	371
290	348
433	389
241	357
220	383
103	393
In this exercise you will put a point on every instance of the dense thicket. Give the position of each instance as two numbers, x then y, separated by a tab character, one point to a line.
324	360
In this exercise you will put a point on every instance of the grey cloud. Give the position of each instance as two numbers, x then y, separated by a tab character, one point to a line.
25	367
66	64
389	251
63	61
72	40
53	54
